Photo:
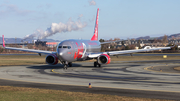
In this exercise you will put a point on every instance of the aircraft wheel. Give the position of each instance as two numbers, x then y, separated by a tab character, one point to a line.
95	64
70	64
99	65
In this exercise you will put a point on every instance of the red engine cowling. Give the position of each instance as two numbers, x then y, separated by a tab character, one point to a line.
51	59
104	59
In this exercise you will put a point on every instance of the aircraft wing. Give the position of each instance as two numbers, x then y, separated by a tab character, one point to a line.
28	50
94	55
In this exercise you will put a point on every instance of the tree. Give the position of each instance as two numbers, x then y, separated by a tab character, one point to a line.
126	47
157	40
30	46
131	46
101	40
116	39
139	44
165	40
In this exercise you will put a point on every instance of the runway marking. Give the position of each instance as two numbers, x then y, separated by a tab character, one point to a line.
117	79
146	68
177	68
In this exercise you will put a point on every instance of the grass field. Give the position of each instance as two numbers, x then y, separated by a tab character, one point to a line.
8	93
7	60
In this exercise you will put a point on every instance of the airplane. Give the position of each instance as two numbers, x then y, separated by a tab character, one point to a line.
72	50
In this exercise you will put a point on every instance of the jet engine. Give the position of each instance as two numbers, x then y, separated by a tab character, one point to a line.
51	59
104	59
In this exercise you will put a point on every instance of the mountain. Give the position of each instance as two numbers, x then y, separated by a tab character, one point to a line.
172	36
145	37
177	36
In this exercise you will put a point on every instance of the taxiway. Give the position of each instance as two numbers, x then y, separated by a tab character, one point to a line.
149	79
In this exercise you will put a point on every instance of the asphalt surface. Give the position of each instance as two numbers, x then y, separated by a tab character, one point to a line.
134	79
139	54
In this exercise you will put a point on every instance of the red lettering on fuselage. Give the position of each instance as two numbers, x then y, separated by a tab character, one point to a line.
79	53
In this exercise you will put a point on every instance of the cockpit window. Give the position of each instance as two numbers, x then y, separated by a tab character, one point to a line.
65	47
69	47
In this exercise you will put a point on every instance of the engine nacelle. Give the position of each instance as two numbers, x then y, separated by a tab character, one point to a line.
51	59
104	59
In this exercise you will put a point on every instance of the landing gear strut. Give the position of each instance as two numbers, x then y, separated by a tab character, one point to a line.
66	64
97	64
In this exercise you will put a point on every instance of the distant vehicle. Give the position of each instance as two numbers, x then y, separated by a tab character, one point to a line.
72	50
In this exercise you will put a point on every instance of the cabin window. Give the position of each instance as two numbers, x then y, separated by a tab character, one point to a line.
60	47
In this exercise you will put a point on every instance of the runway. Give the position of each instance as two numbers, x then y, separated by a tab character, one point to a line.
148	79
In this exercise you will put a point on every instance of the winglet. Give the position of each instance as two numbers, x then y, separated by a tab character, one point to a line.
95	36
3	40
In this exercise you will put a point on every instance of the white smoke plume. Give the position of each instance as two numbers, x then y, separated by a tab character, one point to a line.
35	34
57	28
81	15
92	2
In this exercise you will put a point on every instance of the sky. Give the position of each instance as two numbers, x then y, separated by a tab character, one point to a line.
117	18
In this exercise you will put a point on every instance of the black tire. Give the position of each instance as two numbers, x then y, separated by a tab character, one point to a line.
95	64
99	65
70	64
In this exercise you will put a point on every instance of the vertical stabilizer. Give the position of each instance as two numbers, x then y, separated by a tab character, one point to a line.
3	41
95	36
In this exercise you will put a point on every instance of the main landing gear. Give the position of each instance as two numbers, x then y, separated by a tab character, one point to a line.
97	64
66	64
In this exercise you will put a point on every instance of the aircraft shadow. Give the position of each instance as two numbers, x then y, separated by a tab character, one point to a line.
58	66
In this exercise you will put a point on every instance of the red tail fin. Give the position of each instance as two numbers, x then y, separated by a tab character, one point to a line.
95	36
3	41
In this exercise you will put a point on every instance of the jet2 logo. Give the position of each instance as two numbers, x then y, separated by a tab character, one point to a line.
79	53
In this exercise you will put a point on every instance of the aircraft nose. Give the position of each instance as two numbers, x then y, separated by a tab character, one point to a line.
61	53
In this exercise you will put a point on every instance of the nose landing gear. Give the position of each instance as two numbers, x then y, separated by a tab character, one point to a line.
66	64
